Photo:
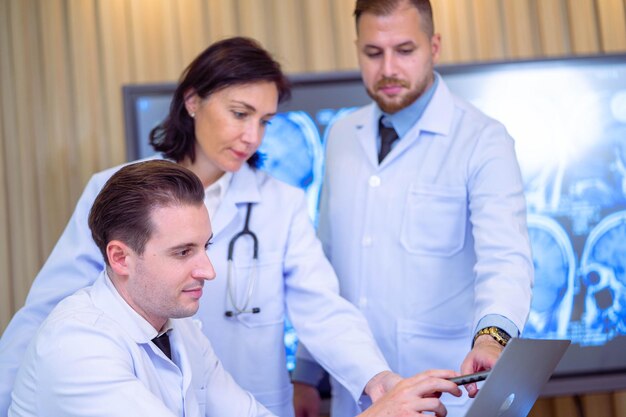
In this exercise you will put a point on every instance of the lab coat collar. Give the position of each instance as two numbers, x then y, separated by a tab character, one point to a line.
439	113
367	131
243	189
106	298
437	119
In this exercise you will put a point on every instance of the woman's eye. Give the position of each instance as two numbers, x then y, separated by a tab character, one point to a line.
239	115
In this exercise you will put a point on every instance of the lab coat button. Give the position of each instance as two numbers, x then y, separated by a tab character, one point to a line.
362	302
374	181
366	241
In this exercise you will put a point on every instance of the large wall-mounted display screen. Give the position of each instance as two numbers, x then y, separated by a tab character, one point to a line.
568	117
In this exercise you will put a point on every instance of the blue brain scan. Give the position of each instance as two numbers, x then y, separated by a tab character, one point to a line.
603	281
555	268
292	151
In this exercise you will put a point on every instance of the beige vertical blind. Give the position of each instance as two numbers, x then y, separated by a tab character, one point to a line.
63	63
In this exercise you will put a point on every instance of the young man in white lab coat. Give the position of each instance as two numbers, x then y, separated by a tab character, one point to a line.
96	354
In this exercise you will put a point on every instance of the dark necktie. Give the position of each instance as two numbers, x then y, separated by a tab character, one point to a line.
387	136
163	343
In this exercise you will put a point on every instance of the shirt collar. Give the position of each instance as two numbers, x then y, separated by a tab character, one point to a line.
214	193
148	332
221	185
403	120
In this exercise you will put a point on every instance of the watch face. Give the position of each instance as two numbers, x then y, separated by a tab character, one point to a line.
503	334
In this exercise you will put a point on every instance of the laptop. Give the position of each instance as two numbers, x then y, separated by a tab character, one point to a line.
516	380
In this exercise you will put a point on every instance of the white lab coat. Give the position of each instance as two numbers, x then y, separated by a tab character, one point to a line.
93	357
431	240
294	278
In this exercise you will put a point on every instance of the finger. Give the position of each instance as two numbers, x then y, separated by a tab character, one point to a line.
422	376
432	405
439	409
438	373
432	386
472	389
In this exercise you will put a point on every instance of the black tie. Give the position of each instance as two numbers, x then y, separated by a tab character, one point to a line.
163	343
387	136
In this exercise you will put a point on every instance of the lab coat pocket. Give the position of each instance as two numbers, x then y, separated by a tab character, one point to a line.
268	291
423	346
434	220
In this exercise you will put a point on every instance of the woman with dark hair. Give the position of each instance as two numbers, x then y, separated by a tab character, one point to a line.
268	261
231	62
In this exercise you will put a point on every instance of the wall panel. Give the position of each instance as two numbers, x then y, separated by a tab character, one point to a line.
583	26
22	100
192	29
154	40
612	24
222	19
345	34
255	17
319	35
116	64
85	70
58	119
289	35
522	30
553	27
598	405
454	20
487	15
542	408
565	407
7	305
619	404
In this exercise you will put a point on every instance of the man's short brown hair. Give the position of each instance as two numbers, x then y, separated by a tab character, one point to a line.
386	7
123	208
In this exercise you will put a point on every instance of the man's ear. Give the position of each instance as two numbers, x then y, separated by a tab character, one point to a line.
435	47
118	254
192	102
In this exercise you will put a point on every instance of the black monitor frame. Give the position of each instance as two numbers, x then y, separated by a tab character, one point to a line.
561	383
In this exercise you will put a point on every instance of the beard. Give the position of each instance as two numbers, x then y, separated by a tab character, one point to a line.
399	102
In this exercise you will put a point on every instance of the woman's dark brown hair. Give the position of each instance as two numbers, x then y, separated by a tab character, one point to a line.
232	61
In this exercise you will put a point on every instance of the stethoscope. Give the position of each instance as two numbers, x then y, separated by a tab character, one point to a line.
230	284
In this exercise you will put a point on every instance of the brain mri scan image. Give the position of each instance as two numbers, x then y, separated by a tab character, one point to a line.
603	281
555	269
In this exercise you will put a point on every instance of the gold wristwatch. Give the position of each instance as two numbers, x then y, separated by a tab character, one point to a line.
497	333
